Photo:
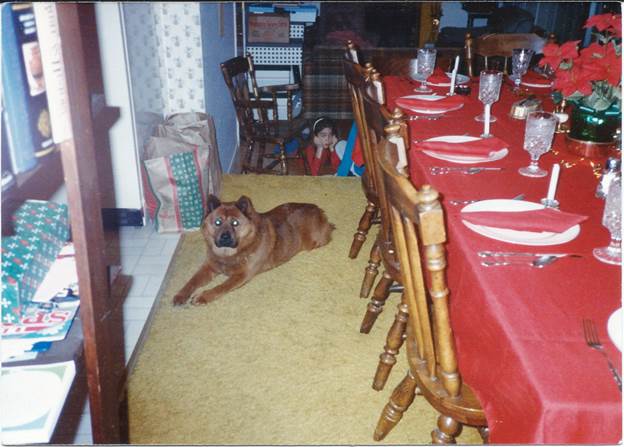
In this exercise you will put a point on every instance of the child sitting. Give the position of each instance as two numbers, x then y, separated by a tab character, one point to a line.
324	146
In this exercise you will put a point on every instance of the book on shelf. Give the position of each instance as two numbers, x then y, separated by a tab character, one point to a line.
25	115
32	398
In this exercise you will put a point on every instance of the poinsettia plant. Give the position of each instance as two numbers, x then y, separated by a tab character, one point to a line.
590	75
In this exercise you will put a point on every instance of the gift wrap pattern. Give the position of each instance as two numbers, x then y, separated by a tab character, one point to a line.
41	230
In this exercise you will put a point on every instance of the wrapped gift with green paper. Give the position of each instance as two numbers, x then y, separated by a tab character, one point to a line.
45	220
23	269
41	230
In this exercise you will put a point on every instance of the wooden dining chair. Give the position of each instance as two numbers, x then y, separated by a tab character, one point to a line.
419	236
257	112
358	77
498	45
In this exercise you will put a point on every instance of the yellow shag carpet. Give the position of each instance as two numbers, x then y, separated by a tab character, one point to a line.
280	360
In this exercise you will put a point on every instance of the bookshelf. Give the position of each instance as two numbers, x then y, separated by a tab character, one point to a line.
75	163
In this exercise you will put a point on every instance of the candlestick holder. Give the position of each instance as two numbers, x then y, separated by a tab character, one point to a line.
550	203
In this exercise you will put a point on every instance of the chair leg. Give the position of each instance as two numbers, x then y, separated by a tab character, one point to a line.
376	303
402	397
370	273
249	156
448	429
364	225
394	341
282	159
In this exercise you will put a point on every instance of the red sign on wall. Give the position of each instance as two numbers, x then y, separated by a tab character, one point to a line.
269	28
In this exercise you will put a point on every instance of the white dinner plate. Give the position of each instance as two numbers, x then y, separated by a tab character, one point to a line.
465	159
529	84
615	329
431	98
459	79
515	236
42	395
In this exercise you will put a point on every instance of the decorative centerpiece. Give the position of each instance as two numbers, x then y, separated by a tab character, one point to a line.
589	80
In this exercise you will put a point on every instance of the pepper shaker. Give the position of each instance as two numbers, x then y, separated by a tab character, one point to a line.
611	170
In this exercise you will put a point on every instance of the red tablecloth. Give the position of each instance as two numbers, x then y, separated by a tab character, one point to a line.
518	330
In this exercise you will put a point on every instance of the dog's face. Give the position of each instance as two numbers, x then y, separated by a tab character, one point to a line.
228	226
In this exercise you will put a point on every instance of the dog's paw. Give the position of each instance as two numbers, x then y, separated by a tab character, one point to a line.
202	299
180	299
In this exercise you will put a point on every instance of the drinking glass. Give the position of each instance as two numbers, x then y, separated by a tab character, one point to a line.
520	59
489	91
538	135
612	220
425	64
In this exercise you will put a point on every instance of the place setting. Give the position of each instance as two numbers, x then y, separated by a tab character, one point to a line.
425	101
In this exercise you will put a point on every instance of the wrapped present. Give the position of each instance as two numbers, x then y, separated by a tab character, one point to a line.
23	269
48	221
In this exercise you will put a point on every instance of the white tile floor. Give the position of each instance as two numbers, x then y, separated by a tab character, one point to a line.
145	255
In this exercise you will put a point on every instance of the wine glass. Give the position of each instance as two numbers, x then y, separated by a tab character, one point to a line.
612	220
425	63
489	91
538	135
520	59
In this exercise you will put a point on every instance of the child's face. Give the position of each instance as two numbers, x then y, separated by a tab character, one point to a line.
325	136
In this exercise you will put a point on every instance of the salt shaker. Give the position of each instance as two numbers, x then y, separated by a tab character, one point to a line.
611	170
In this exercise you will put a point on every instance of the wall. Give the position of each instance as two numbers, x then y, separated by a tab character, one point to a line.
219	44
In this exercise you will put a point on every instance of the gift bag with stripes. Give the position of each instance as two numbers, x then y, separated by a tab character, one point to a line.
179	184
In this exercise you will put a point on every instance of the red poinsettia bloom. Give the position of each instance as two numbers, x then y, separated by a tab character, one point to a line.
606	22
554	54
574	80
600	21
601	63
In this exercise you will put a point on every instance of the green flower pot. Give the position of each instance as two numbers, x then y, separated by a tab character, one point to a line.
591	131
587	124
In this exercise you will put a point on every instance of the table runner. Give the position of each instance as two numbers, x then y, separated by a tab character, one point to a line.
518	330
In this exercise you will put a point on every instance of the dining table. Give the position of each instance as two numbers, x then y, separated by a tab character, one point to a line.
518	328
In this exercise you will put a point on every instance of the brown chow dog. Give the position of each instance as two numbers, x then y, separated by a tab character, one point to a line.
242	243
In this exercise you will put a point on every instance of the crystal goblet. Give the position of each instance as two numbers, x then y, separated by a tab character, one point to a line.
612	220
538	135
489	91
425	63
520	60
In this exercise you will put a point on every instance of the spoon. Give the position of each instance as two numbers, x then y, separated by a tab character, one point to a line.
468	171
539	263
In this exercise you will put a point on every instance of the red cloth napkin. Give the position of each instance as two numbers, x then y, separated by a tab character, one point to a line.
545	219
441	105
439	77
481	147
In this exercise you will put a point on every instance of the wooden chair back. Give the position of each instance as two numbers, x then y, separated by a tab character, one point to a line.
419	237
239	76
379	119
501	45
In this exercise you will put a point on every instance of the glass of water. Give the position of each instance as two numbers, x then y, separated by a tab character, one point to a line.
612	220
538	136
520	60
489	91
426	58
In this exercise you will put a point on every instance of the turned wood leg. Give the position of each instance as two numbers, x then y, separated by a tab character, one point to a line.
485	434
282	159
248	156
360	235
376	304
370	273
448	429
394	341
402	397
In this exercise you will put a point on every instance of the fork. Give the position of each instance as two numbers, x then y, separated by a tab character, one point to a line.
592	340
437	170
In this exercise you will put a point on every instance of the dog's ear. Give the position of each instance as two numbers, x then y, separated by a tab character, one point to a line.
244	204
213	203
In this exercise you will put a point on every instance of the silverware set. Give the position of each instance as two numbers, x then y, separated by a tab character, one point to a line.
592	340
467	202
426	117
537	260
437	170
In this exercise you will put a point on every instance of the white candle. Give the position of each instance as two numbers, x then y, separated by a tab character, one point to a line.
486	120
454	75
554	177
